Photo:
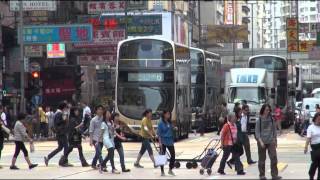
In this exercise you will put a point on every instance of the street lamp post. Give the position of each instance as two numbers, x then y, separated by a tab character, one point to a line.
22	79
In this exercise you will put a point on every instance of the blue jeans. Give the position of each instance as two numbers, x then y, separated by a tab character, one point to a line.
97	156
146	147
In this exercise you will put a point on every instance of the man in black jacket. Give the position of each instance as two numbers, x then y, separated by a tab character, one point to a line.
61	129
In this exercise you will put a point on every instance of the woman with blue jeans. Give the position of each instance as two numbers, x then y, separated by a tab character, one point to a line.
119	137
166	140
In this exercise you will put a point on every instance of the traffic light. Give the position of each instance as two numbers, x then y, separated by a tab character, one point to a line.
35	75
78	81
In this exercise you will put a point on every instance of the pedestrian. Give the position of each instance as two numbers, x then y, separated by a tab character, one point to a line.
119	137
306	120
166	139
107	134
278	117
236	106
50	116
228	143
36	124
20	134
61	129
86	117
4	132
95	132
245	133
3	116
43	123
313	138
147	133
223	117
75	137
266	135
10	121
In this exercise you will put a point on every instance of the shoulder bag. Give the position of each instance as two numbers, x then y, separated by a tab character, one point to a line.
236	147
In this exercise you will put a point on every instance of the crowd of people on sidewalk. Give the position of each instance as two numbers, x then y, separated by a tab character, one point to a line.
70	124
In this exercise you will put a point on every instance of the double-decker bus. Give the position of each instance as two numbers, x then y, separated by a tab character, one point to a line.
153	73
205	87
278	66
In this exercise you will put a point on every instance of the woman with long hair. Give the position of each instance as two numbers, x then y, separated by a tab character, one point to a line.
147	132
107	135
313	134
166	139
266	136
119	137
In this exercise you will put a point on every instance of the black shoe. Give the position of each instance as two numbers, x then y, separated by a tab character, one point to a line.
85	164
263	178
14	168
46	161
241	173
126	170
221	172
94	167
229	164
277	178
252	162
33	166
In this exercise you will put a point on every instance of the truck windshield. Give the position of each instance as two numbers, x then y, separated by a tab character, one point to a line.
250	94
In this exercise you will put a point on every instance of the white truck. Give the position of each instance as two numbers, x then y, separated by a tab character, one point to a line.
255	86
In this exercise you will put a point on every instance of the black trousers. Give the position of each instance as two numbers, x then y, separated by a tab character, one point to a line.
315	164
62	145
20	147
80	150
227	150
44	129
172	156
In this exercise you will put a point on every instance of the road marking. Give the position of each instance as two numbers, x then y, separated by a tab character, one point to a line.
281	167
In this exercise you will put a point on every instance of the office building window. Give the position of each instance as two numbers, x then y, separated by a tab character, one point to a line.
312	17
312	8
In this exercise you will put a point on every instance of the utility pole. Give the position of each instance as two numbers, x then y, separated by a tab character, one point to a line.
22	79
126	17
199	23
233	24
252	29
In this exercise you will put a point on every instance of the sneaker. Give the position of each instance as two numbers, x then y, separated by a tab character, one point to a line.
137	165
115	171
126	170
163	174
171	173
241	173
46	161
33	166
221	172
14	168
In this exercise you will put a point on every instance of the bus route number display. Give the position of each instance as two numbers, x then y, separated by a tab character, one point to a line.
246	78
145	77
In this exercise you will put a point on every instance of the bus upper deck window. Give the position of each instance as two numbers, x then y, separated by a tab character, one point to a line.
268	61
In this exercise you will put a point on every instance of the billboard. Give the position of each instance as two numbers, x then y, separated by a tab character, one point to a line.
34	5
226	33
56	50
98	7
44	34
228	11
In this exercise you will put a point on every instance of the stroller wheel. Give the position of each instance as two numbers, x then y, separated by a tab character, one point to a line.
189	165
177	164
209	171
201	171
194	165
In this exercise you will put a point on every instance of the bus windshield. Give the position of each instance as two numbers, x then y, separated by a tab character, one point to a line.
268	62
146	53
250	94
132	101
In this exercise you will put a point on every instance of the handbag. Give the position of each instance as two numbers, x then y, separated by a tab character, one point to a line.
160	160
236	147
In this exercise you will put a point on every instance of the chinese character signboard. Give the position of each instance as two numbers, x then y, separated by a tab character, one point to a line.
43	34
103	38
138	25
292	35
34	5
306	46
106	59
56	50
226	33
228	9
98	7
33	51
